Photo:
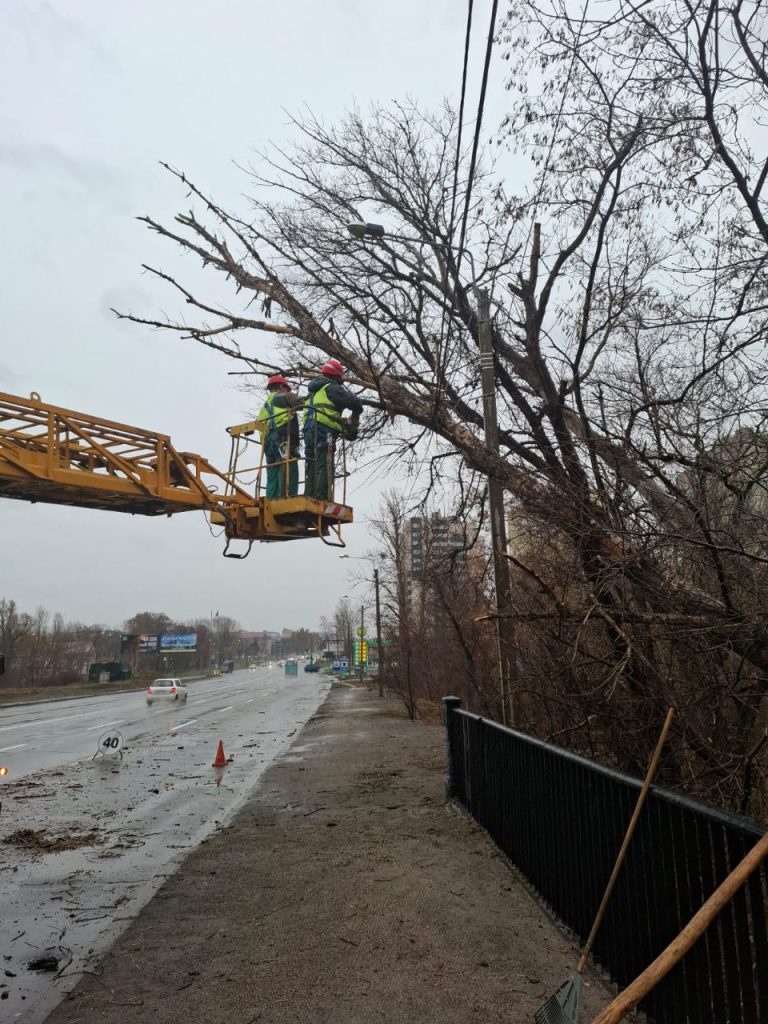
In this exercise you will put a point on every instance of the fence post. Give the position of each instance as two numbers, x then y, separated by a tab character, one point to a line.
450	704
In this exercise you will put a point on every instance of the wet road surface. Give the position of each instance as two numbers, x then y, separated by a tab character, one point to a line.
136	815
51	733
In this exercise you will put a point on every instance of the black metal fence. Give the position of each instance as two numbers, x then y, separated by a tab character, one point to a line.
561	819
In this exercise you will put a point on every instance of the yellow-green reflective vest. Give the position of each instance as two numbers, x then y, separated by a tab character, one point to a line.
320	408
277	415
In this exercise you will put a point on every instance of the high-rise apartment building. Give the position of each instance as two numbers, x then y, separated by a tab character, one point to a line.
430	542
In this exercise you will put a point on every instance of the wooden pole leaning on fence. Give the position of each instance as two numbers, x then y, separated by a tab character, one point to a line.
676	950
649	776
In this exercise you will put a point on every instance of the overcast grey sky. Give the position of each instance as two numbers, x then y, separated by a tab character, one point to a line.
94	94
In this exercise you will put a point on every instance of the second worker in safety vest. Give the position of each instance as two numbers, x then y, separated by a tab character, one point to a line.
281	438
327	400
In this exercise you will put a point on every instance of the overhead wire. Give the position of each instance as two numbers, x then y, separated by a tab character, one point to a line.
475	146
478	127
472	164
447	317
457	156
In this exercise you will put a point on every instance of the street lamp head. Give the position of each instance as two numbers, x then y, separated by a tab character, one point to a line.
360	230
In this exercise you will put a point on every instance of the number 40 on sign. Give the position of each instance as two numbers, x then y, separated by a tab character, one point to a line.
110	743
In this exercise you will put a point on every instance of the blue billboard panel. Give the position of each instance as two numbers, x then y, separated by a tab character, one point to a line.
178	642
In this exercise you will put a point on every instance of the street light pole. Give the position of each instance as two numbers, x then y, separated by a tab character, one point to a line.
505	637
379	646
213	654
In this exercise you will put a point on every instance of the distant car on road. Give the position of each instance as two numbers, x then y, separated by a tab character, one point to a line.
311	667
167	689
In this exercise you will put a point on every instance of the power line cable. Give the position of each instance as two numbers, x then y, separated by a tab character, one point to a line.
478	126
457	158
473	159
447	317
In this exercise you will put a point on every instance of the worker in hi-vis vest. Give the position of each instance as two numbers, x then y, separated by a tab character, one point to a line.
328	398
281	438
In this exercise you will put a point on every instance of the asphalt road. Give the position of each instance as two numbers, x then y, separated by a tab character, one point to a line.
136	815
51	733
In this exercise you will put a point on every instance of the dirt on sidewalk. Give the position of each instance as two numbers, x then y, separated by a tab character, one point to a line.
345	891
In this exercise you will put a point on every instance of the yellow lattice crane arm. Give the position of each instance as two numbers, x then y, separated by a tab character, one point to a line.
55	455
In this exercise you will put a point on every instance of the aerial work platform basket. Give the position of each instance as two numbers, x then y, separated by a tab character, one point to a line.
57	456
289	516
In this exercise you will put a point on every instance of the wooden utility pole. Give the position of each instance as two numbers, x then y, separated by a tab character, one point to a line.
505	635
379	645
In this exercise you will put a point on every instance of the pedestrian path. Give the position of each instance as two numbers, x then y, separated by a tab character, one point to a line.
345	892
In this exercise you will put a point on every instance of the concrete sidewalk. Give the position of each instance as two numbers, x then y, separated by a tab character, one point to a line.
345	891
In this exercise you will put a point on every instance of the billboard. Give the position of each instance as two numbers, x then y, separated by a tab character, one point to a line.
138	642
178	642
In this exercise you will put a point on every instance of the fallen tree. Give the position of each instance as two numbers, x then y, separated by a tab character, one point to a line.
629	320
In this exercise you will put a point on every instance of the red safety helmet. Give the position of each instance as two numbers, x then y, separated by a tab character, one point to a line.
278	378
333	368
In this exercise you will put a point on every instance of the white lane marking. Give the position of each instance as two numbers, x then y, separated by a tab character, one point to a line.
105	725
48	721
226	709
251	700
14	747
174	728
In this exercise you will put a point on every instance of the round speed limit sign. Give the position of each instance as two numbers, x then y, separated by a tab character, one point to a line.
111	742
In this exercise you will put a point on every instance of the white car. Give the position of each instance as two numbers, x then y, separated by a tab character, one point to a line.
167	689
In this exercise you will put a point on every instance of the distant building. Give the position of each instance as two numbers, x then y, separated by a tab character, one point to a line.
259	644
431	543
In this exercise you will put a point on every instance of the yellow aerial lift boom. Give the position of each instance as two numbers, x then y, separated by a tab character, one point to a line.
62	457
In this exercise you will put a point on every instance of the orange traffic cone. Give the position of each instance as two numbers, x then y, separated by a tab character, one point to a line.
220	760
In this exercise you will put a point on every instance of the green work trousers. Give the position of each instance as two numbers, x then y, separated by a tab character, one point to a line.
281	484
319	472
